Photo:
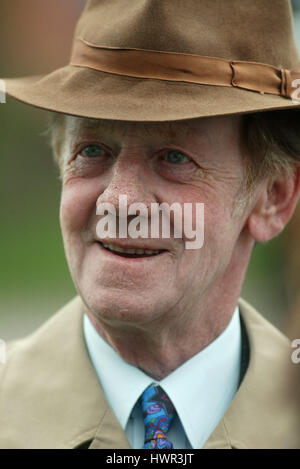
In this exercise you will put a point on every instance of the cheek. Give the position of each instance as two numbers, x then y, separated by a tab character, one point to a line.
218	231
78	205
215	206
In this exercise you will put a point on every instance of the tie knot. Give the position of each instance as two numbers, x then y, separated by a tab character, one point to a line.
158	413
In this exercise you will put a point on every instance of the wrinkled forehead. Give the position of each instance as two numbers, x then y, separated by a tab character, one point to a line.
189	128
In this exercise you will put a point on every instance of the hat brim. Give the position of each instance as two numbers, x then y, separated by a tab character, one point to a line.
89	93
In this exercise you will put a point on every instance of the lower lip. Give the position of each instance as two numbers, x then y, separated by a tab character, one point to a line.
115	255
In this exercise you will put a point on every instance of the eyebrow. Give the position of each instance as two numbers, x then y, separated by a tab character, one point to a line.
169	128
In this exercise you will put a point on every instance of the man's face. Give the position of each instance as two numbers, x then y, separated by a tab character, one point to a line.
197	161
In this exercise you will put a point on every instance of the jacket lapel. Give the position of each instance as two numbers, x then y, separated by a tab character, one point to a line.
51	396
263	413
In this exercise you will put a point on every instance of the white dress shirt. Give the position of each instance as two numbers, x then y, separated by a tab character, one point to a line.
201	389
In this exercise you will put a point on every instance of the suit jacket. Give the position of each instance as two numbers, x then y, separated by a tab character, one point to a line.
50	396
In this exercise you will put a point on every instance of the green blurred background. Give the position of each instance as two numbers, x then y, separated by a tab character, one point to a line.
35	37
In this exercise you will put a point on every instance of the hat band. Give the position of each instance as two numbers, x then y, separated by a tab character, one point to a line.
159	65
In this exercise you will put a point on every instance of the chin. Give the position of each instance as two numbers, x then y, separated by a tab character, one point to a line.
122	306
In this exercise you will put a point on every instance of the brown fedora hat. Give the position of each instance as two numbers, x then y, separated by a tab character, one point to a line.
159	60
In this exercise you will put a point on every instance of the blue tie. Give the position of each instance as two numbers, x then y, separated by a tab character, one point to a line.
158	413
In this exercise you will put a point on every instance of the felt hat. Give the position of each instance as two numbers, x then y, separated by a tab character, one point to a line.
164	60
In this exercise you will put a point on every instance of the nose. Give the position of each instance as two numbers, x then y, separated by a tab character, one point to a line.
130	176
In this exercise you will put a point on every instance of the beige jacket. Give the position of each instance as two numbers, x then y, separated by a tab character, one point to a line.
50	396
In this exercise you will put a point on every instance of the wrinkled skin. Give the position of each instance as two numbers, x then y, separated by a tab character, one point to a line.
160	311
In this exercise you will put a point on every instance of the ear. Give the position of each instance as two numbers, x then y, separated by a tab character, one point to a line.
274	206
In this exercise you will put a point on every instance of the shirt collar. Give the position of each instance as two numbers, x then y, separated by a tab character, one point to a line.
201	389
122	383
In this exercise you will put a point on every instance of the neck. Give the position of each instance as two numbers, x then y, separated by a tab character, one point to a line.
160	347
158	356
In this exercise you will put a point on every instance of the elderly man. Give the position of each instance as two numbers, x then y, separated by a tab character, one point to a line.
159	104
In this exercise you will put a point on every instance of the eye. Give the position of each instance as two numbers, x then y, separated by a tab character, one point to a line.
176	157
92	151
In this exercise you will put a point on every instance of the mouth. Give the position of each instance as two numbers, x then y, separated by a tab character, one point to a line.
130	252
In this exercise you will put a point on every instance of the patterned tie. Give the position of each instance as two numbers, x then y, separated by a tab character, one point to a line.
158	412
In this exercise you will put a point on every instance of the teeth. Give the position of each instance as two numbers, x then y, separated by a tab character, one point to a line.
129	251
